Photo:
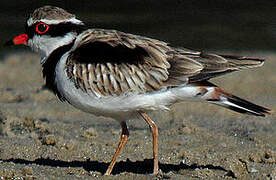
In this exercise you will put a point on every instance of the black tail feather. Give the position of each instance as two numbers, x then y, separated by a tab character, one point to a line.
240	105
244	106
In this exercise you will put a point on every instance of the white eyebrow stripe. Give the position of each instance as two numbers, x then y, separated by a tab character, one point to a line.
30	21
53	21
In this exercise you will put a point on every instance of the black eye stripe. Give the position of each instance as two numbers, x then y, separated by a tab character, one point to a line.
56	29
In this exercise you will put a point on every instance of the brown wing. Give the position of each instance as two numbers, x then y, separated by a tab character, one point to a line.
216	65
109	62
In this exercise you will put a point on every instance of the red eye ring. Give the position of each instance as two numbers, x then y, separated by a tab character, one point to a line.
42	28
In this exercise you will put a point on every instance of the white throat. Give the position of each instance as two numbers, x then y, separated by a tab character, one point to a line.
45	45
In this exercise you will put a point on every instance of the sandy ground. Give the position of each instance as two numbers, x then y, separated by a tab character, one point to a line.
42	138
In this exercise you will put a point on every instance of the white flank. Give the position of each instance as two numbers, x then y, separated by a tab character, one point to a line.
124	106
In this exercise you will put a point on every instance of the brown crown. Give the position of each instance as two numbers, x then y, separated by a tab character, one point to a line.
51	12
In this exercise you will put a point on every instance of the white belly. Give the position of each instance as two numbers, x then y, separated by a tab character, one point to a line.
121	106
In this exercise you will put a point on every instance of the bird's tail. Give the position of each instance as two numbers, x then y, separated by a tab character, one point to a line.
227	100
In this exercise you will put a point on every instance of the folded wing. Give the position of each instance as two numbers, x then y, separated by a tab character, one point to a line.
109	62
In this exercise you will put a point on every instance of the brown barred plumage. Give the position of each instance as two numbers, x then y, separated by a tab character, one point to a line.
141	64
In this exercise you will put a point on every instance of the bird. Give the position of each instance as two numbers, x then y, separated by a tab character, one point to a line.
124	76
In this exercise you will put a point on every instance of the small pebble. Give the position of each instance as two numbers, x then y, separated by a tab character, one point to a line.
27	171
253	170
90	133
49	140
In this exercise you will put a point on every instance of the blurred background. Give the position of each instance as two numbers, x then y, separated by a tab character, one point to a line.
235	25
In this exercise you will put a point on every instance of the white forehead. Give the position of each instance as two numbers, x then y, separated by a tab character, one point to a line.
54	21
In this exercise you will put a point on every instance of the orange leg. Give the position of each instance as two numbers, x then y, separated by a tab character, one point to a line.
154	130
124	137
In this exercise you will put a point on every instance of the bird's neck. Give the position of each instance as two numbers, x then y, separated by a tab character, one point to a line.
49	68
55	44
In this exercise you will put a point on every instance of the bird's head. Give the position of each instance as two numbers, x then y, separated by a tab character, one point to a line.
48	28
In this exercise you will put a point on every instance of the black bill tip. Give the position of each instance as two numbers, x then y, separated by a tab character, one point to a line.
9	43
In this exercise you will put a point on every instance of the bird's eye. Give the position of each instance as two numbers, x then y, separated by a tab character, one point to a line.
42	28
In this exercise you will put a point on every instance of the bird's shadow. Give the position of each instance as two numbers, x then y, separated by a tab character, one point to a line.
137	167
